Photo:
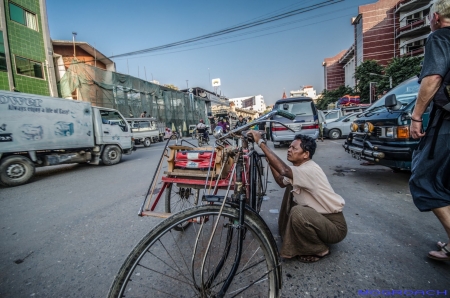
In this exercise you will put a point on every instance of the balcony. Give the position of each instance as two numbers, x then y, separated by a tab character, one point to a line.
418	27
408	5
413	53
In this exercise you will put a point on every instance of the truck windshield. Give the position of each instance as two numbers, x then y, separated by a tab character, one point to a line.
113	118
405	93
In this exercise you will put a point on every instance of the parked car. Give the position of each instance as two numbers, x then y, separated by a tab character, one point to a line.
306	120
340	127
381	134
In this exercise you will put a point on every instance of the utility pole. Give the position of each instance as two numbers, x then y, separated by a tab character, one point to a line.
73	41
187	85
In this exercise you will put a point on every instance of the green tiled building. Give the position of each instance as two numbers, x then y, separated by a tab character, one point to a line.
26	63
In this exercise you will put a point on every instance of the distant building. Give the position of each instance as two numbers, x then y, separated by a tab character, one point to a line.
307	91
253	103
65	54
382	30
26	63
333	72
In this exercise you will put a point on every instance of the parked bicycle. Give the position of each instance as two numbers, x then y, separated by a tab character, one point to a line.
222	248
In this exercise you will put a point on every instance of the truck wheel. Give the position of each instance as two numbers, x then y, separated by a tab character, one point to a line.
16	170
111	155
147	142
334	134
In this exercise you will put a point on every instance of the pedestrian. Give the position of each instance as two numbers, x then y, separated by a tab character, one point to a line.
222	124
311	215
144	114
430	169
239	123
212	121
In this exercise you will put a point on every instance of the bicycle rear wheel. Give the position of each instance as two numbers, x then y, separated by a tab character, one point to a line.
169	263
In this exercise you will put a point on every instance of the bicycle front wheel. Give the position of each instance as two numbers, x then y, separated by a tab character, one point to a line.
170	263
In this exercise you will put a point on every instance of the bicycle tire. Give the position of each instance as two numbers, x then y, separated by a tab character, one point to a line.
200	141
164	256
180	198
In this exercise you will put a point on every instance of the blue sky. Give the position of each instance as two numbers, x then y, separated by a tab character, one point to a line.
265	61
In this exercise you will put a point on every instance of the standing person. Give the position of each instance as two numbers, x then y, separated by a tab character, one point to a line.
321	119
313	218
144	114
212	121
430	169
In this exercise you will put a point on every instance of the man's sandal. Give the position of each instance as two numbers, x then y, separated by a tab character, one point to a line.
441	244
312	258
443	249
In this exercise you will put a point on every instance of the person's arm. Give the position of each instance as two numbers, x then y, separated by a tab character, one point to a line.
428	87
273	159
278	178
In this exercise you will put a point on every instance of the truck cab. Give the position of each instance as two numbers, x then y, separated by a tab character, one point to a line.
381	134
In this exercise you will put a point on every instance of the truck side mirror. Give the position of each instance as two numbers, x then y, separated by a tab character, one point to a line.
391	103
285	106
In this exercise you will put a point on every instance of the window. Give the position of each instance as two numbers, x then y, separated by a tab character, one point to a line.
29	68
113	118
21	16
2	53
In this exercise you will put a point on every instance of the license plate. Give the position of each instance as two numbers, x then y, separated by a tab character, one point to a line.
192	155
192	164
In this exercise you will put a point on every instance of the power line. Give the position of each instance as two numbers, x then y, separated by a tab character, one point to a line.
234	28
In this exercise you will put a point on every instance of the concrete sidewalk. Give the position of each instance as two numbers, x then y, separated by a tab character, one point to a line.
387	242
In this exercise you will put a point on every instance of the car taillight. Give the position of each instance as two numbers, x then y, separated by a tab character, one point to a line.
314	126
278	128
403	132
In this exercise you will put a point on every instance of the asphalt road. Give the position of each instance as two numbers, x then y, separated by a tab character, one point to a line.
67	232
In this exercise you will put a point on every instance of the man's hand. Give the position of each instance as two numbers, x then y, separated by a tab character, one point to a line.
255	135
416	130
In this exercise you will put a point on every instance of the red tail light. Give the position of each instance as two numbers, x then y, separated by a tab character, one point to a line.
314	126
278	128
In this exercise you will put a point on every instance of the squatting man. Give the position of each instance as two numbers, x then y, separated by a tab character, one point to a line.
311	212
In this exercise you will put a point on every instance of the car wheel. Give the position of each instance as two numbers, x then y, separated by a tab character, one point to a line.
334	134
111	155
16	170
147	142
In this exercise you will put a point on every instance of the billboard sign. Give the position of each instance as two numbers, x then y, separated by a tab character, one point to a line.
248	103
215	82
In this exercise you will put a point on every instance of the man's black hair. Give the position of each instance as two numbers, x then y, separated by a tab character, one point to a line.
307	144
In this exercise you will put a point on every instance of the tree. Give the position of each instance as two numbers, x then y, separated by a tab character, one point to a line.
171	86
332	96
403	68
363	78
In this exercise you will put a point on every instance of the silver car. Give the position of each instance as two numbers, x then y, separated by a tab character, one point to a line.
305	122
340	127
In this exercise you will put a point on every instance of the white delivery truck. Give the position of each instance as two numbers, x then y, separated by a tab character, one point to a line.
37	131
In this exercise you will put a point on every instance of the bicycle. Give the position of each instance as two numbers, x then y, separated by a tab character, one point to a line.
227	251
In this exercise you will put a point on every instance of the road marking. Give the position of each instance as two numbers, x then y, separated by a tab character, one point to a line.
335	142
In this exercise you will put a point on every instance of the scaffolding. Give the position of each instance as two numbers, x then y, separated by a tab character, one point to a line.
132	96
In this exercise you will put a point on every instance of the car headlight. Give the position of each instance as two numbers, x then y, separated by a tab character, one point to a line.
368	127
389	132
353	127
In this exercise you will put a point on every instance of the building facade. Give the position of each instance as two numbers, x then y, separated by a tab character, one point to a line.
382	30
253	103
307	91
333	72
26	63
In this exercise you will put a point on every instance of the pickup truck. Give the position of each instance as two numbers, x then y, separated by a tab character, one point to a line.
145	130
38	131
